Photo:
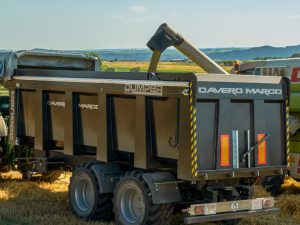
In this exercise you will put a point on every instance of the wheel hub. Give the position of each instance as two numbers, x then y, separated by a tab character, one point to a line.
132	205
84	195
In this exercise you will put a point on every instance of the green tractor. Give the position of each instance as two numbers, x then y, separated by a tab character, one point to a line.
295	125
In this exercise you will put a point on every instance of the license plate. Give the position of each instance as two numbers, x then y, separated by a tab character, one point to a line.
210	209
256	204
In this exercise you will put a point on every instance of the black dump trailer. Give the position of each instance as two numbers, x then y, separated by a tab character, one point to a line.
142	145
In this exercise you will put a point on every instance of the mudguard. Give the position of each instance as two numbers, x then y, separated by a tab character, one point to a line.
108	176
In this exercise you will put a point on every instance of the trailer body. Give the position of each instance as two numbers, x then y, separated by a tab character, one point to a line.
183	127
148	121
141	144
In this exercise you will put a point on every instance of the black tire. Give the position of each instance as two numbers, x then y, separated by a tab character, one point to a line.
133	205
84	195
272	184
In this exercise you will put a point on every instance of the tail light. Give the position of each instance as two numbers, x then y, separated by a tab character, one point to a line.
199	210
268	203
261	151
225	153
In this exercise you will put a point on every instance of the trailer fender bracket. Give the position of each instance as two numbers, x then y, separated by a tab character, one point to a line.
107	176
163	187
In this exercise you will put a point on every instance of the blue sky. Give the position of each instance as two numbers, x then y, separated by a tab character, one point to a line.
92	24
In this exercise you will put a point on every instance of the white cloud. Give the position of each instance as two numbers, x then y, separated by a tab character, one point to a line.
138	8
294	16
173	14
134	19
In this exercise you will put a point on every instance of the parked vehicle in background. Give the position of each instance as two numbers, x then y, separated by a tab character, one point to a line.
283	67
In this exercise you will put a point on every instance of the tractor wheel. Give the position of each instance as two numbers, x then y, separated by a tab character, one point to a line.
84	195
133	205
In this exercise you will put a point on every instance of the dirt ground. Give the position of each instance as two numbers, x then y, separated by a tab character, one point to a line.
46	203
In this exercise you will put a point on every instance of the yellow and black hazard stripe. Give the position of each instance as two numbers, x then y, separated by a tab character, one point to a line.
193	126
287	133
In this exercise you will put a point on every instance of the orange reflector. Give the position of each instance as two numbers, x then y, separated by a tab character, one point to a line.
261	152
225	159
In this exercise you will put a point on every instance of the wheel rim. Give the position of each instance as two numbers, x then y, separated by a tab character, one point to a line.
132	205
84	195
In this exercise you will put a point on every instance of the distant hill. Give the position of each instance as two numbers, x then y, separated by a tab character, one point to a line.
144	54
257	52
297	55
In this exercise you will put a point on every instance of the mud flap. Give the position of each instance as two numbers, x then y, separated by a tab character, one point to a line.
163	187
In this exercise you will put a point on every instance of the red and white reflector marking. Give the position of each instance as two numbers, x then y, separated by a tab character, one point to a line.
225	150
261	150
205	209
230	206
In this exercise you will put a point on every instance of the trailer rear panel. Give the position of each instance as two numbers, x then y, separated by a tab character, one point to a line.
200	124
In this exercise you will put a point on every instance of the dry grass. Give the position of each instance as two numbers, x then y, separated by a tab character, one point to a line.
162	66
183	67
36	203
43	203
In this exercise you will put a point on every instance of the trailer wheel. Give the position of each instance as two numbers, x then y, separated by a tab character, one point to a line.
84	195
133	205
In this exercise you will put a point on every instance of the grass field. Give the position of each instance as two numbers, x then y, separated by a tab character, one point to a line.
44	203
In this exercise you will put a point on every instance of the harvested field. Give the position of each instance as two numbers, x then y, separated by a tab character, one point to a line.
182	67
46	203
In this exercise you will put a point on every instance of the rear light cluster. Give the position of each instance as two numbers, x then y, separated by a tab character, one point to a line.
199	210
205	209
230	206
268	203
